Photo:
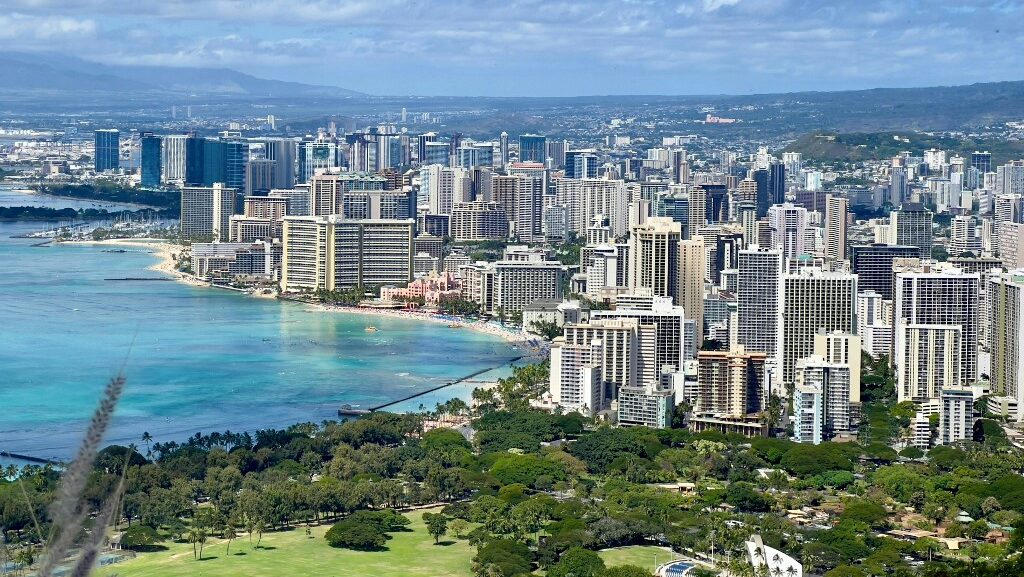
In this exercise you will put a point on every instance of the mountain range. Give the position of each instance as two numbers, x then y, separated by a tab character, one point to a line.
53	74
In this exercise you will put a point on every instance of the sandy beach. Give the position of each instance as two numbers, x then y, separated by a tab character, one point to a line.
509	334
166	254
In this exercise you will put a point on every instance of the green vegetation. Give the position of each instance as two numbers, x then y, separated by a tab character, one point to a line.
46	213
409	553
861	146
533	493
169	199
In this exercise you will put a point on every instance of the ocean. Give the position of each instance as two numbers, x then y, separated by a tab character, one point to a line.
196	359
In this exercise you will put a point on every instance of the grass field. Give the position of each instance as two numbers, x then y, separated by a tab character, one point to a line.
640	555
293	553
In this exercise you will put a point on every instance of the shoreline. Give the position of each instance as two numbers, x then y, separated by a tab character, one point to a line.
165	252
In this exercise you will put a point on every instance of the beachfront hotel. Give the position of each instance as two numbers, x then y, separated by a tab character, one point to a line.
206	211
330	253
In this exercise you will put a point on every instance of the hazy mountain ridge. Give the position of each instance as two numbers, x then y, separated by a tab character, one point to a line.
57	73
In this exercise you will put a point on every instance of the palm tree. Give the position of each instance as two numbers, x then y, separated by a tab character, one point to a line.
230	534
147	439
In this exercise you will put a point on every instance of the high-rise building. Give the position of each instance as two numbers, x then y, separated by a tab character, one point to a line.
479	221
673	332
757	299
873	265
629	350
834	382
1010	178
206	211
107	150
236	156
173	158
316	156
956	415
575	376
259	176
1006	333
532	148
898	185
651	405
771	187
837	209
789	229
654	257
439	182
731	383
843	349
982	161
150	159
912	225
692	267
195	160
928	359
581	163
1011	245
928	295
421	146
283	152
331	253
329	192
529	210
503	149
808	414
812	300
963	237
587	198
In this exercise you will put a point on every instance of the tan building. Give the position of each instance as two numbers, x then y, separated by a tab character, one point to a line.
844	349
731	384
331	253
837	209
474	221
206	211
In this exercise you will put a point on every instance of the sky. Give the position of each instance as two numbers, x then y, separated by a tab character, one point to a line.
544	48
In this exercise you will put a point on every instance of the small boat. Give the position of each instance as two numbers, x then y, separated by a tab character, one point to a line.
371	329
455	326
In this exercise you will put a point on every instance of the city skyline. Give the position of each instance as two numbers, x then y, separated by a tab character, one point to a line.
522	48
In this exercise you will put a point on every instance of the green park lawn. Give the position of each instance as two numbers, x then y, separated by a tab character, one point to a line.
640	555
293	553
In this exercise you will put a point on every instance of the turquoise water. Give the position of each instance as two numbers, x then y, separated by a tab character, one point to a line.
196	359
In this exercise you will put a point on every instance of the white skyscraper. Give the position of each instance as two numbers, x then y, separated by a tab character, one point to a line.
575	376
929	295
789	229
1006	332
757	299
812	300
956	415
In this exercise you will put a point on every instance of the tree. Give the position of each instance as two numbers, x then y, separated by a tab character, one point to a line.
356	535
845	571
502	557
458	527
437	525
230	534
197	537
577	562
139	536
547	329
626	571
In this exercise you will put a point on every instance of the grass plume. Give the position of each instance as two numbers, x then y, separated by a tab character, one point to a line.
68	511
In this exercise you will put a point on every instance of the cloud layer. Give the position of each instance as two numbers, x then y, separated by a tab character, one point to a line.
533	47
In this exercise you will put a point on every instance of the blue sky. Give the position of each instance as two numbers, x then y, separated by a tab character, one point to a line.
541	48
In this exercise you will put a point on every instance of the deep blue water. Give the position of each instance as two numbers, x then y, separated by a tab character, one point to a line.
196	359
